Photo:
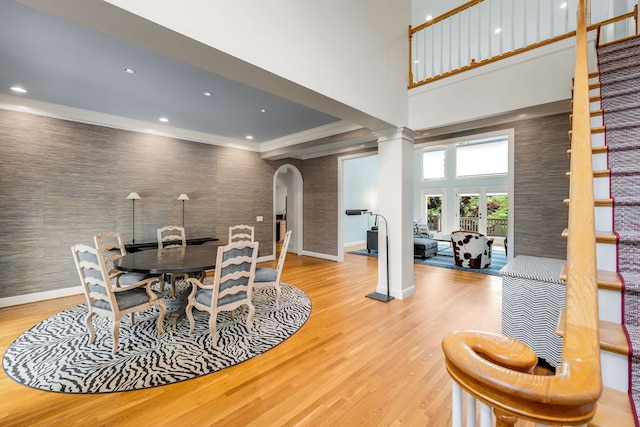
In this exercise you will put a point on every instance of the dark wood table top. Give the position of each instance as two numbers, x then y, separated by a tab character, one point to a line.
186	259
136	247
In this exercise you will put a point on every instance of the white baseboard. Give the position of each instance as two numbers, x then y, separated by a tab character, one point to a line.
319	255
40	296
266	258
358	243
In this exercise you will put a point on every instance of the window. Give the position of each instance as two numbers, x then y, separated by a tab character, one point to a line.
488	156
433	164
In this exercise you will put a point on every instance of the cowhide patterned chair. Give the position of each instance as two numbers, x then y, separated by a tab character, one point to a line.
471	249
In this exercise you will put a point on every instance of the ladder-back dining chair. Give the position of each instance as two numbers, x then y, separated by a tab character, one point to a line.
270	277
171	236
241	232
110	245
231	288
113	302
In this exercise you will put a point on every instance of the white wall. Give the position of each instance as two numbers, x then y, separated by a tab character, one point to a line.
354	52
360	191
534	78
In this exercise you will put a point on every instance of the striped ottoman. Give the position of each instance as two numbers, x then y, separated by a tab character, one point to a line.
532	297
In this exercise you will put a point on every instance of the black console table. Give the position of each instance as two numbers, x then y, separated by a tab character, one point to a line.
137	247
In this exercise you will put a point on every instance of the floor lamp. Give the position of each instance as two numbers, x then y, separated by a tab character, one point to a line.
133	197
377	295
183	197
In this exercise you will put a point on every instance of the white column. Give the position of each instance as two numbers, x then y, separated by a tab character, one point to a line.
395	201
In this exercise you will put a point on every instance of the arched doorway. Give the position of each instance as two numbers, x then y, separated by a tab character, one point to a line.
287	205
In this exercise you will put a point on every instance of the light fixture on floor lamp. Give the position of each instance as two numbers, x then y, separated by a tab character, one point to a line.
183	197
377	295
133	197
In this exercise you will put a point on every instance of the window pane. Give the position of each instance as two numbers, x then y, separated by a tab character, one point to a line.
433	164
483	157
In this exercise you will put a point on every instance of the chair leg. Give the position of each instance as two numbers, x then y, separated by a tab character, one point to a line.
133	318
173	286
116	335
213	328
92	331
192	322
252	311
278	294
163	313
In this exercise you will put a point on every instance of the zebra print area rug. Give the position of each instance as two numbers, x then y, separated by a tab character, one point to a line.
55	355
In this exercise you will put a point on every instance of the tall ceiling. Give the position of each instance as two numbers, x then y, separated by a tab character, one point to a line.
64	64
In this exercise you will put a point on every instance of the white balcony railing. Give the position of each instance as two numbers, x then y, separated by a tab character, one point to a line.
483	31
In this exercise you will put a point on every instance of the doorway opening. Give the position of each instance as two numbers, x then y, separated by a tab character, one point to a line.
287	207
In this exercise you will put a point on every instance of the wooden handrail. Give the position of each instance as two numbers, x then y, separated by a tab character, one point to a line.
491	367
444	16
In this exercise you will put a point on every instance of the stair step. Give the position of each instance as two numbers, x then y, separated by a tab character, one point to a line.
596	202
597	174
612	336
592	113
600	149
601	236
595	129
609	280
594	75
613	410
595	85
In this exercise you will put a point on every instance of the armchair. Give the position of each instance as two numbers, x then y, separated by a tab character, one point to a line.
231	288
471	249
105	299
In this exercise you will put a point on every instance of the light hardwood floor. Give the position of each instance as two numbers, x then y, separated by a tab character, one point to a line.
356	361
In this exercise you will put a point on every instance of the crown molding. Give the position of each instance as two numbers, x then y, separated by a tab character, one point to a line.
29	106
330	129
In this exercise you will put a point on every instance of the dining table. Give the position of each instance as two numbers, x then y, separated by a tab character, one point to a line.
191	260
183	259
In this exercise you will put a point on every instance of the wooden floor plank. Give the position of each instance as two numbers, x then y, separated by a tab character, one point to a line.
356	361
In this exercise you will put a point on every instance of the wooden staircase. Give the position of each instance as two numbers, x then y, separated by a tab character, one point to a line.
614	406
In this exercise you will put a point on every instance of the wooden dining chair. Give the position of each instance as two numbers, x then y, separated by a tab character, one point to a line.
114	302
110	245
231	288
241	232
171	236
270	277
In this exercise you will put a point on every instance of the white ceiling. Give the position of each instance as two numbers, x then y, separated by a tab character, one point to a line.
62	63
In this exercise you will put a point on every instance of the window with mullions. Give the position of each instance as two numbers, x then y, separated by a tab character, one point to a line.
489	156
433	164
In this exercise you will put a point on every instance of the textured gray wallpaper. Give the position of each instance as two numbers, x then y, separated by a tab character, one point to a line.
63	182
541	185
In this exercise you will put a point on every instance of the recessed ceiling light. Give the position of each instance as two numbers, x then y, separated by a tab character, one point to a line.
129	70
563	5
429	18
206	93
497	30
18	89
416	61
263	110
249	137
163	119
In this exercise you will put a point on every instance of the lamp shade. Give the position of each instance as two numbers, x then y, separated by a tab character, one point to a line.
183	197
133	196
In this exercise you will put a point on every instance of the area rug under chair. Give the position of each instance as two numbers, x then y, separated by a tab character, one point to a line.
54	355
